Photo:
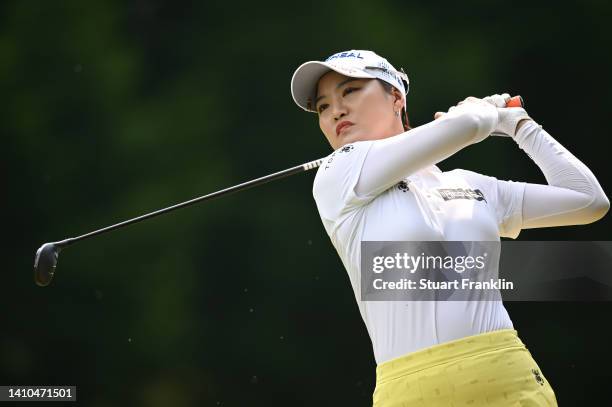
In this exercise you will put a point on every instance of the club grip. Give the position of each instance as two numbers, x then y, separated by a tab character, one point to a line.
515	101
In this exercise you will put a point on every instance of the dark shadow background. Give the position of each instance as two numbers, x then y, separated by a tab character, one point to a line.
112	109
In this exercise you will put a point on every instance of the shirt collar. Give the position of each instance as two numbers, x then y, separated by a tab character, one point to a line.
434	168
430	171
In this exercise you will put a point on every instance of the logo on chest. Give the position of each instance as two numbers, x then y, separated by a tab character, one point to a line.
461	193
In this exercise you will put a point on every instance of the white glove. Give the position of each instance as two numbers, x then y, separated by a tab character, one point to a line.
485	112
508	116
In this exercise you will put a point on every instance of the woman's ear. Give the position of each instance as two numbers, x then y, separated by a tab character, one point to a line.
398	100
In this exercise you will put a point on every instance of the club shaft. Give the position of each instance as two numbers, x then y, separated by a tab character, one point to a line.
240	187
515	101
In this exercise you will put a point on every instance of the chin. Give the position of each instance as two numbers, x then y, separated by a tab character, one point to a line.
344	141
351	138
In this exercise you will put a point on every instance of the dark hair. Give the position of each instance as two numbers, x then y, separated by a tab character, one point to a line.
389	89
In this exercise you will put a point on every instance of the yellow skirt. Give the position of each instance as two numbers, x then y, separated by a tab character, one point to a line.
490	369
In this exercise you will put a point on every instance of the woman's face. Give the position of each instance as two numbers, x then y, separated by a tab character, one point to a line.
354	109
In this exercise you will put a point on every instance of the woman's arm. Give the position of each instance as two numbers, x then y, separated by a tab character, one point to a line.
390	160
573	195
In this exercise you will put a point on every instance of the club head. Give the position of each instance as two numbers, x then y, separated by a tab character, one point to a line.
45	263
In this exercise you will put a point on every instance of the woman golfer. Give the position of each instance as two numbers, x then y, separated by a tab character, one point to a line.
381	184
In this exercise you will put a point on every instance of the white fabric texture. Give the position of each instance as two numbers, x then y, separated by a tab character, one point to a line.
390	190
573	195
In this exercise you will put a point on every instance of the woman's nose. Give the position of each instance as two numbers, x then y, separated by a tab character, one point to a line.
339	112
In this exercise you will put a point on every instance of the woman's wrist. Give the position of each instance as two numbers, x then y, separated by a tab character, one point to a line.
526	129
520	124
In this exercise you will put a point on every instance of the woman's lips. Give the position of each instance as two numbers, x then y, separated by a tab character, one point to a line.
342	125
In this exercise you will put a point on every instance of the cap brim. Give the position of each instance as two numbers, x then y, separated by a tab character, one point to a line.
306	77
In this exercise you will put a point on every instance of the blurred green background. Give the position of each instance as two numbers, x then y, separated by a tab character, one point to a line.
112	109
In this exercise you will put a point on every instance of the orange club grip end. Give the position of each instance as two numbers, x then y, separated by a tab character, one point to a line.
515	101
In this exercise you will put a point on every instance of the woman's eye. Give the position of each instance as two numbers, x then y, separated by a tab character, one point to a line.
322	107
349	90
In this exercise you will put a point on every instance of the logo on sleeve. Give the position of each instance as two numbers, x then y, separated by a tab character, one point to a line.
403	186
461	193
346	149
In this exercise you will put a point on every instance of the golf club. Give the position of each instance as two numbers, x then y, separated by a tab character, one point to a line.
45	261
47	255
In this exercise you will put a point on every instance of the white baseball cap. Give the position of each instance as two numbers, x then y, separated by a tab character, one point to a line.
353	63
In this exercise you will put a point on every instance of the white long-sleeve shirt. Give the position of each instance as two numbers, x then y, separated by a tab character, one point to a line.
391	190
